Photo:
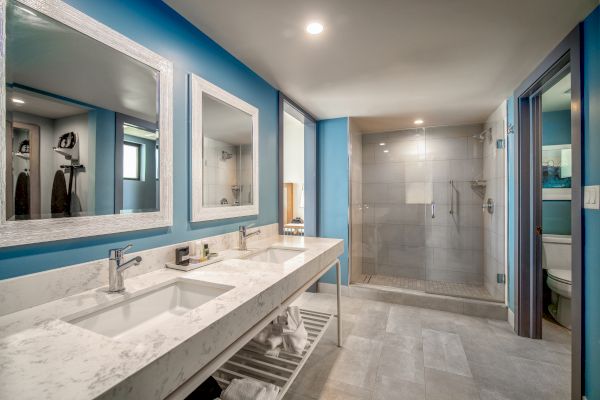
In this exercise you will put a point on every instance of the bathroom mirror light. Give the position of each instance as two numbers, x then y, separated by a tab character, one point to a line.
419	121
65	136
224	154
314	28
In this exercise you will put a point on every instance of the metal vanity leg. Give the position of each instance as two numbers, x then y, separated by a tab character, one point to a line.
339	301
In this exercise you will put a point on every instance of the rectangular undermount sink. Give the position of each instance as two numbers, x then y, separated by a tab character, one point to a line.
275	255
149	309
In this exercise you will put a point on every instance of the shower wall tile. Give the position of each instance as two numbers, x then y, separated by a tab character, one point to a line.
403	173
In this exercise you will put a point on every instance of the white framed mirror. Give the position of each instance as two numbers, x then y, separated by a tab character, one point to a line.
85	143
224	154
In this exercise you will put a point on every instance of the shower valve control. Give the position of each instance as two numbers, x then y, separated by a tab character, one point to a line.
489	206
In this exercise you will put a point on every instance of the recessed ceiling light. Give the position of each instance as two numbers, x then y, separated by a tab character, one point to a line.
314	28
382	144
386	151
418	121
17	101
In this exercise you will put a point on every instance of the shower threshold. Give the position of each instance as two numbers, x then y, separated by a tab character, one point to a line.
434	287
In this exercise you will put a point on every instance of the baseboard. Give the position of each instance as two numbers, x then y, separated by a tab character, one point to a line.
331	288
476	308
511	318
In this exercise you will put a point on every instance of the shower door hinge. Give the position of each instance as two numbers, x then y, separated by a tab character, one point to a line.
501	278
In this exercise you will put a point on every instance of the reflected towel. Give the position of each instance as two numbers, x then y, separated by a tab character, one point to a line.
58	202
22	197
249	389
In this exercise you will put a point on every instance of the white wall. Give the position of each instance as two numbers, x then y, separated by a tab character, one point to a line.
494	256
293	142
84	182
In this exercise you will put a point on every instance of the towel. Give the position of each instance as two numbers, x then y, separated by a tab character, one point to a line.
58	202
22	197
294	333
286	331
250	389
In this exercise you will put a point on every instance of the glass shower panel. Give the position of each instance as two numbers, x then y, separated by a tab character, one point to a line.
423	223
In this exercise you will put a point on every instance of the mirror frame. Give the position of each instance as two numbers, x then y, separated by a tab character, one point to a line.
200	213
15	233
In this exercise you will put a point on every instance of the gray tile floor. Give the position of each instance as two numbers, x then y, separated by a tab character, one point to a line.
399	352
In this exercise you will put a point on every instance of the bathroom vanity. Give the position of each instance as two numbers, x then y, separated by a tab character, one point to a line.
165	334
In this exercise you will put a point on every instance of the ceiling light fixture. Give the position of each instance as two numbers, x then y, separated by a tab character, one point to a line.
382	144
386	151
314	28
418	121
17	101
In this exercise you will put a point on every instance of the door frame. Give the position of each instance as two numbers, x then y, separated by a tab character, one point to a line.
527	252
301	113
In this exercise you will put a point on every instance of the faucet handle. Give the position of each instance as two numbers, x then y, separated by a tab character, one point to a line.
118	253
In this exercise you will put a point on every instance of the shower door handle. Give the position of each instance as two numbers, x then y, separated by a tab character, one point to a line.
432	209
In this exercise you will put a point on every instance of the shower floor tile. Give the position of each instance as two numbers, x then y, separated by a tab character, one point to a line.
435	287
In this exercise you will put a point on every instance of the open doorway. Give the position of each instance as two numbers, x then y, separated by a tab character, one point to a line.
297	175
548	202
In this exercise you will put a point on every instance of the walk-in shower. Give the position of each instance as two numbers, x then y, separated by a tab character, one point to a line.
431	210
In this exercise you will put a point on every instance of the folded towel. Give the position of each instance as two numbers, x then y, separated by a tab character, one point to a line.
287	331
250	389
295	335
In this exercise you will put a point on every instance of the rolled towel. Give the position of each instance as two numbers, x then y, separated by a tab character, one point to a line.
294	332
250	389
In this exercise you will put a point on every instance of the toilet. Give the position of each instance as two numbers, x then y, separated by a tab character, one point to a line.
556	260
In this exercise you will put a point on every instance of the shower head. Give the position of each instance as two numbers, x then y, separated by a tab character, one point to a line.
483	135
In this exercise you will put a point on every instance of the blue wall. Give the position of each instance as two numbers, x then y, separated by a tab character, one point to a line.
591	218
142	194
159	28
556	127
556	217
103	122
333	184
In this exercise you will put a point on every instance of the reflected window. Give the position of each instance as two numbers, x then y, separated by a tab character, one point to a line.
131	161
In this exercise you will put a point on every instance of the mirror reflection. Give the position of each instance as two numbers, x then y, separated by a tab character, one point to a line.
82	123
227	154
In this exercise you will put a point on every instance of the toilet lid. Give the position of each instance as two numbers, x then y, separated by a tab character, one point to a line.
561	275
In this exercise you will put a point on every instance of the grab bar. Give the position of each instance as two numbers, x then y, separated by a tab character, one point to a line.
451	197
433	209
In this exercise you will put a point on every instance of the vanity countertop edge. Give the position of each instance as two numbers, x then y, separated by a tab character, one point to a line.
47	357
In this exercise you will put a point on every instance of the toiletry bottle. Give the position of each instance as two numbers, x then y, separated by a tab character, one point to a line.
198	248
206	252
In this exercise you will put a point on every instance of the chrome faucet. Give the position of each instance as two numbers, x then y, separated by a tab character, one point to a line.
243	236
116	266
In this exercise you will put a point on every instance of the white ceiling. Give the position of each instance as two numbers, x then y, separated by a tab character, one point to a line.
220	121
388	62
48	56
41	106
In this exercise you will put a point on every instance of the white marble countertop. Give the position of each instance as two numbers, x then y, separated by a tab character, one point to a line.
44	357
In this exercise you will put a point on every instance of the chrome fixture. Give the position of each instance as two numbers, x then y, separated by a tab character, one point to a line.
489	206
116	266
243	236
225	155
483	135
452	190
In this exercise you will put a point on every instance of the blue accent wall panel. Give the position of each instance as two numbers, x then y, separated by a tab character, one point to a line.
591	218
334	175
556	217
158	27
556	127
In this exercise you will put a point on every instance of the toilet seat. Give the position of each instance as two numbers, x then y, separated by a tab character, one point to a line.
560	275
